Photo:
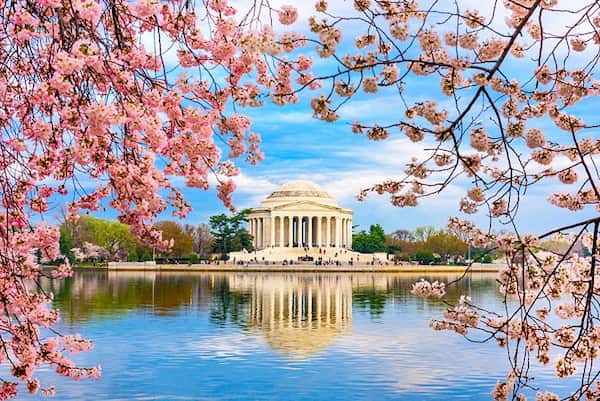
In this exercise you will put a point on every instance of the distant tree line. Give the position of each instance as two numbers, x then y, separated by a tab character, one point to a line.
429	245
93	239
424	245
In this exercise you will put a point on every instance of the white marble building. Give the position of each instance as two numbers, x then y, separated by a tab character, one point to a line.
300	215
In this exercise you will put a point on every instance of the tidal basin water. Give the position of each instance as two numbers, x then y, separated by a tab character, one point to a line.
246	336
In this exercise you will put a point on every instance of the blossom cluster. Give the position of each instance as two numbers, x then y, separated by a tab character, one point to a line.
85	100
500	112
424	288
470	62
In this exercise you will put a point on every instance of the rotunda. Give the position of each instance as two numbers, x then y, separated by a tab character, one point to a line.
299	214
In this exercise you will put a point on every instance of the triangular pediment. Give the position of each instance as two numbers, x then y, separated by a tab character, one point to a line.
306	206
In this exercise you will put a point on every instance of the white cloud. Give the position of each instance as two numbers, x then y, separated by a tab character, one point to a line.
253	185
283	117
393	153
226	347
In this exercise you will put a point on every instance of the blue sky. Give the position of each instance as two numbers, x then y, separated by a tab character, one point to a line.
299	147
329	154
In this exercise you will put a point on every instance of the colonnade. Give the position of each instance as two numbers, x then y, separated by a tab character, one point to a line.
301	231
279	302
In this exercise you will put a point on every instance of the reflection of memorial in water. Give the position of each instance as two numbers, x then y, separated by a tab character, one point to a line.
298	315
319	304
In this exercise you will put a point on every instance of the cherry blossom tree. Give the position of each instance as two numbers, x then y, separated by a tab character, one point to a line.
505	112
90	251
103	105
105	102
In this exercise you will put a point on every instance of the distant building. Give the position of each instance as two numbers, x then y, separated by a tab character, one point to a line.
301	222
300	215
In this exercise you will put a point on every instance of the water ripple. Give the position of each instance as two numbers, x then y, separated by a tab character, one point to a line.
250	336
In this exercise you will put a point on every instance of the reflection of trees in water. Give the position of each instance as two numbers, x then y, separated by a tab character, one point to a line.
228	296
373	291
477	285
372	300
228	306
100	293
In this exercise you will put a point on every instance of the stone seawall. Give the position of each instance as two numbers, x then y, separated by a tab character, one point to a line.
410	268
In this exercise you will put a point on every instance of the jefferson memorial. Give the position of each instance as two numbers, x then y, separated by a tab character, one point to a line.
300	215
300	219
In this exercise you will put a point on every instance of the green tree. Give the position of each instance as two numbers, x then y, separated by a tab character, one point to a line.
182	241
66	244
242	240
111	235
373	241
222	231
133	256
445	244
229	232
425	256
360	241
146	256
428	239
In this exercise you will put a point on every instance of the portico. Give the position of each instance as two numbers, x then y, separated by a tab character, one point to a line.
300	215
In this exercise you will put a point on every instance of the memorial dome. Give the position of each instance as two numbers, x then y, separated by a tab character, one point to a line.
300	190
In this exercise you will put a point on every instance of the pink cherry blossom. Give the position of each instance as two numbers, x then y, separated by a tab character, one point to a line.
288	15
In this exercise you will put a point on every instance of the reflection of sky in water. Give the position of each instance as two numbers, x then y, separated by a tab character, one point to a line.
198	336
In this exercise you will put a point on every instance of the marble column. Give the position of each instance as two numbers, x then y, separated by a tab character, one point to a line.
309	238
272	230
338	232
259	233
332	229
281	230
263	230
319	231
290	231
328	231
299	232
345	228
349	233
251	230
266	231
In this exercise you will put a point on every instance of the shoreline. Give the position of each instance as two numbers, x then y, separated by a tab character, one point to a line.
299	268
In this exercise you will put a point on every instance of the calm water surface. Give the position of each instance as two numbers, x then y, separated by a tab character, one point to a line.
197	336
